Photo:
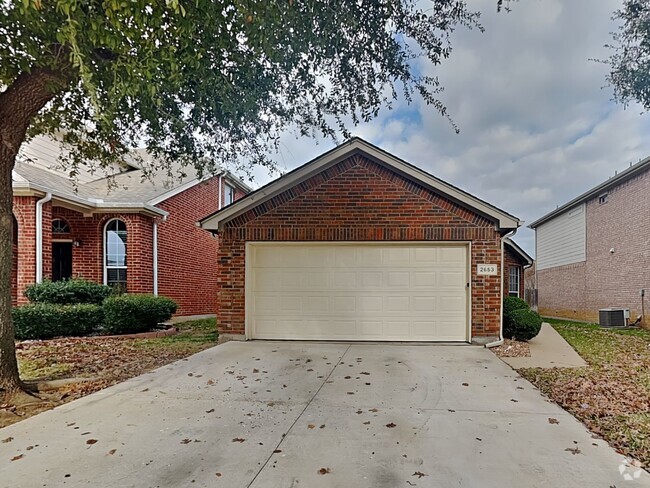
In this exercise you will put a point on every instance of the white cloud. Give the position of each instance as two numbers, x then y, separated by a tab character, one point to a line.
537	126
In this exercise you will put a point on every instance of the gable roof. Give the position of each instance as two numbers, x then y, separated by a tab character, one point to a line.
518	251
353	146
128	189
629	173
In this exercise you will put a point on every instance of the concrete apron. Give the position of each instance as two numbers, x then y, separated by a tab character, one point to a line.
266	414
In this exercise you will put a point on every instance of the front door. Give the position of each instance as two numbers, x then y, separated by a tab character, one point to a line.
61	261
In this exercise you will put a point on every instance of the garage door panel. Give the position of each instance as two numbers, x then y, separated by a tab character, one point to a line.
363	292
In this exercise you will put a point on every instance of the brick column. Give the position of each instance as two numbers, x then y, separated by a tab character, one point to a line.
25	212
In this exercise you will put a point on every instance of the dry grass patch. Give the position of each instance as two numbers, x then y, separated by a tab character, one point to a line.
69	368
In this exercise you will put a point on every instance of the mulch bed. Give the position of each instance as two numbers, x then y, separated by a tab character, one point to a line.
512	349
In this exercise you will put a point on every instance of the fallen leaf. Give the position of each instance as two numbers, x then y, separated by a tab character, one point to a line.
367	423
553	421
90	442
111	452
373	410
347	377
322	426
311	426
465	384
513	400
16	458
324	471
277	451
8	439
255	370
186	441
479	439
209	382
29	448
210	411
419	474
350	393
217	474
391	425
238	439
573	450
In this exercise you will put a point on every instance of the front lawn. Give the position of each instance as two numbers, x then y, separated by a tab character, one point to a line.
611	395
69	368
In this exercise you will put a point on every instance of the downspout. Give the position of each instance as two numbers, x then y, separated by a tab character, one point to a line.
155	255
220	192
39	236
500	340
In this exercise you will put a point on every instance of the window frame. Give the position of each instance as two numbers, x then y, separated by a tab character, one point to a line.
105	265
229	194
512	293
63	230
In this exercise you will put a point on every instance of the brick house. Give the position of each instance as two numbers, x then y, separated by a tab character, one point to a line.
116	227
594	251
360	245
516	261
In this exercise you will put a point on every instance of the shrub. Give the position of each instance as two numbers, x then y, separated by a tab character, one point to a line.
67	292
127	314
48	320
523	325
510	304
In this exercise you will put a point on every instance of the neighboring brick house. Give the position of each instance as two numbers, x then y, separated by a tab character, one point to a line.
117	227
360	245
594	251
516	261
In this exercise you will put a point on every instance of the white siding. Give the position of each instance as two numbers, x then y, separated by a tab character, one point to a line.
562	240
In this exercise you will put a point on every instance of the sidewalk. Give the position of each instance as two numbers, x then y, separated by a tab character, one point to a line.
548	350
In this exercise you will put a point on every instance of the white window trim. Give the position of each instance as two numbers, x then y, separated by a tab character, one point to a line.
510	290
230	191
104	265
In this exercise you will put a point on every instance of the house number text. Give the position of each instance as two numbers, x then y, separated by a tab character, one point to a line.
486	269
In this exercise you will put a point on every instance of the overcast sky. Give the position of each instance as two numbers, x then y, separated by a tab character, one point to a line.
538	126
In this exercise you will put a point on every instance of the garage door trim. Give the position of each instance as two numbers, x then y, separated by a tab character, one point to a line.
251	245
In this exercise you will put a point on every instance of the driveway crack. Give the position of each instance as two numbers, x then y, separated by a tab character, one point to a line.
284	436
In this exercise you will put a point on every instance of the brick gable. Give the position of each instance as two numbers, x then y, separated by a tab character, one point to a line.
359	200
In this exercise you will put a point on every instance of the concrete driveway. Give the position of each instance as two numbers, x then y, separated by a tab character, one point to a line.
267	414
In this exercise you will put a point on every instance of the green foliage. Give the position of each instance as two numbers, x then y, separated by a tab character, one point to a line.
202	82
126	314
68	292
523	324
47	320
630	60
510	304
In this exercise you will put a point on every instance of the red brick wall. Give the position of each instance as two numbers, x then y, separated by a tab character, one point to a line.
25	213
187	255
358	200
512	260
606	279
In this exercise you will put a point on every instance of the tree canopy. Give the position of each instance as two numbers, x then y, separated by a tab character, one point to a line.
212	81
201	82
630	60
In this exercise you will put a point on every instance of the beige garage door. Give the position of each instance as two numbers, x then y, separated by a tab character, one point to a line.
367	292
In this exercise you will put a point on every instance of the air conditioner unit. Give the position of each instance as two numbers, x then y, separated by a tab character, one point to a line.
614	317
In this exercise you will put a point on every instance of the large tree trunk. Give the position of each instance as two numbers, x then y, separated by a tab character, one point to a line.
19	103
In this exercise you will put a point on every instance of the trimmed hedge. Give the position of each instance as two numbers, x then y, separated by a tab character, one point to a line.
128	314
523	325
68	292
48	320
510	304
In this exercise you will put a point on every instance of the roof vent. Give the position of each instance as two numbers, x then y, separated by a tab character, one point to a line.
613	317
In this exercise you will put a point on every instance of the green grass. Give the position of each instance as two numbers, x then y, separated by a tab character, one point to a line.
612	394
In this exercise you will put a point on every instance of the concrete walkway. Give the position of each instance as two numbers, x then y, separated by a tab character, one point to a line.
314	415
548	350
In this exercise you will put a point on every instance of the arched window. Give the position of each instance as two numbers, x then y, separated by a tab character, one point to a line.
60	226
115	235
